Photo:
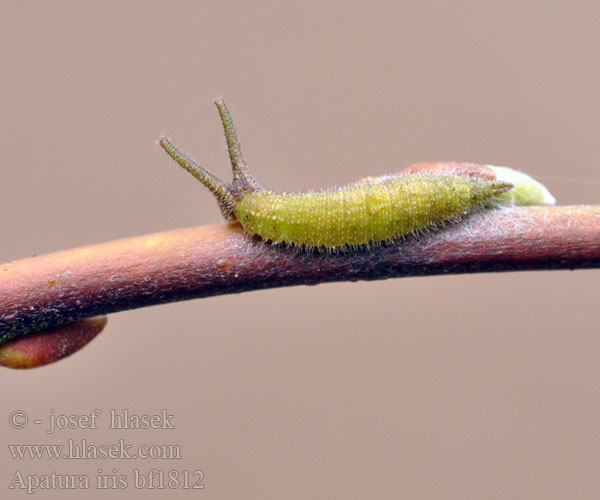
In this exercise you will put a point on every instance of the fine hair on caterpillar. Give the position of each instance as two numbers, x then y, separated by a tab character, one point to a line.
350	217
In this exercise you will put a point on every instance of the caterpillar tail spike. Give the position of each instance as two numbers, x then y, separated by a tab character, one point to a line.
347	217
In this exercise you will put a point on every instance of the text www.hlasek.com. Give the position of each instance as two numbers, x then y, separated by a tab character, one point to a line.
82	449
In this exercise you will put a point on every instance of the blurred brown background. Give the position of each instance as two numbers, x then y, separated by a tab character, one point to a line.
457	387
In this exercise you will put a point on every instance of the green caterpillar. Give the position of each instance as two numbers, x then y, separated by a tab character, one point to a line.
337	218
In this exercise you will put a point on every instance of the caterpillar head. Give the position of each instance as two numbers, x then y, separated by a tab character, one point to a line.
227	194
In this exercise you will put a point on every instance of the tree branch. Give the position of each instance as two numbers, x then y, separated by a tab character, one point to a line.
48	290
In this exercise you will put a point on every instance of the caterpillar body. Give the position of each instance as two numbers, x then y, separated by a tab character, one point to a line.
352	216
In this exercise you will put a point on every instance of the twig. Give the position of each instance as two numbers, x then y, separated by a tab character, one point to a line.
49	290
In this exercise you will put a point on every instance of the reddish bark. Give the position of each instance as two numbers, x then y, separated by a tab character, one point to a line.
48	290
